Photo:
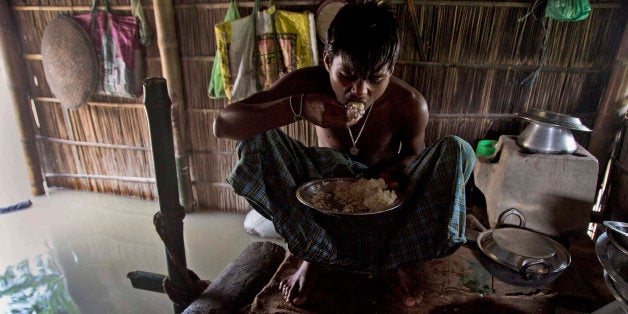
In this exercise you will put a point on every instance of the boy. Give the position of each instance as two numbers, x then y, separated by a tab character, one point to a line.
369	123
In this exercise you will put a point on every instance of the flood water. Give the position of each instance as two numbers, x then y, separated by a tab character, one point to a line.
72	251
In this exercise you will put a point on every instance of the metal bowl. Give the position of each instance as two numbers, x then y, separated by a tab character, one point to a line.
614	262
616	293
306	192
618	234
532	255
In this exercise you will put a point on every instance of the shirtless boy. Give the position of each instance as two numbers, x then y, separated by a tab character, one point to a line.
368	123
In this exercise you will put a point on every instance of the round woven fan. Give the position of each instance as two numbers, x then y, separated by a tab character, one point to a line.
69	61
325	13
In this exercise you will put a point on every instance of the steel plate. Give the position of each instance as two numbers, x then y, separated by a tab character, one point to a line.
306	191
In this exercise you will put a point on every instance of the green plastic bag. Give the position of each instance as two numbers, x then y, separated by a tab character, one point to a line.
567	10
216	89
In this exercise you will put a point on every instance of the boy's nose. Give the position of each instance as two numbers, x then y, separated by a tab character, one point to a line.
358	88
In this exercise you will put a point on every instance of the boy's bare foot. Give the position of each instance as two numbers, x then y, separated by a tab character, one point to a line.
406	285
296	288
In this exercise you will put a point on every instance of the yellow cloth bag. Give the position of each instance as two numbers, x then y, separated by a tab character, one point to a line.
259	49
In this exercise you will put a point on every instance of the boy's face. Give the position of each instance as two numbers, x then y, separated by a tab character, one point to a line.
348	87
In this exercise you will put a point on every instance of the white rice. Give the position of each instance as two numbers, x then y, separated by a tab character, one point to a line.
363	195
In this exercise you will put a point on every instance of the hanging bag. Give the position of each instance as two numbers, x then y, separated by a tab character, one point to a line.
259	49
216	89
117	44
568	10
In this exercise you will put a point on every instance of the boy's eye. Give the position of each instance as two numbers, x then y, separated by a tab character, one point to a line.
347	76
377	79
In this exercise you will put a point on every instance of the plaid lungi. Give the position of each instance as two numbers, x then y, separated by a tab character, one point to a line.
430	224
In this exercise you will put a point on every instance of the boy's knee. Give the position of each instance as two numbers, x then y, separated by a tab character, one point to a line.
458	144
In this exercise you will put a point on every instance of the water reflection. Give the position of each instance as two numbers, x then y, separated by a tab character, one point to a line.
35	285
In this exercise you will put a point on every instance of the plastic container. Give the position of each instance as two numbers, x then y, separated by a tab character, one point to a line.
485	148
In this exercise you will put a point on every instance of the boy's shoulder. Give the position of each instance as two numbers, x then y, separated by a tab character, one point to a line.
399	90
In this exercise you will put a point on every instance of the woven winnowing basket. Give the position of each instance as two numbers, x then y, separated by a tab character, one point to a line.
69	62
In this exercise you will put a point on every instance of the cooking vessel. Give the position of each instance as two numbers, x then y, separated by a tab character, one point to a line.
617	233
614	262
549	132
519	256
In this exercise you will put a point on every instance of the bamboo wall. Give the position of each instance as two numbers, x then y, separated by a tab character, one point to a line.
469	63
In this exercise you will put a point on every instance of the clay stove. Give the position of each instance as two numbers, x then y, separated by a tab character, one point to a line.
553	193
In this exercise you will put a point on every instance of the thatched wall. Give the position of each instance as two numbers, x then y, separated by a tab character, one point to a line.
472	60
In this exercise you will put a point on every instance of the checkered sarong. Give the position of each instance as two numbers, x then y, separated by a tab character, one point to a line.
430	224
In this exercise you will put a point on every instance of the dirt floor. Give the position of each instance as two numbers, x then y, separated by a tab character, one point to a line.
458	283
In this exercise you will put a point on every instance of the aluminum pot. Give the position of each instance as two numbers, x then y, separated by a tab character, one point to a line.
547	139
549	132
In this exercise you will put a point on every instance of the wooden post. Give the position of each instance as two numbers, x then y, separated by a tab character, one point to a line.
613	106
158	106
238	284
12	62
171	69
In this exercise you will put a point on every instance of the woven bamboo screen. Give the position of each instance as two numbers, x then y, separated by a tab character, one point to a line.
468	58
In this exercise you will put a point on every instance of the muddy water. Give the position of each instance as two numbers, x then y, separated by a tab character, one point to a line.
95	239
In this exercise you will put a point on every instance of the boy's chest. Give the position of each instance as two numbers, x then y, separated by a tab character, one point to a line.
372	139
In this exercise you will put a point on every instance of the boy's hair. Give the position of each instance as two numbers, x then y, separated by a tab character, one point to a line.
365	34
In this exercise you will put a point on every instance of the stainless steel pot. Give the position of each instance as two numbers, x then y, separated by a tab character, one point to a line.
615	264
547	139
549	132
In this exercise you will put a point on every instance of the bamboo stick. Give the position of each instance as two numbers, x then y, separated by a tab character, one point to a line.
99	177
92	144
93	103
171	67
18	90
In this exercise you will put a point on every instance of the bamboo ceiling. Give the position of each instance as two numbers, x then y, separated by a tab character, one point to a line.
469	60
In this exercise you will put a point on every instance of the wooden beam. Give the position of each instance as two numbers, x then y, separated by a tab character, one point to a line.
241	280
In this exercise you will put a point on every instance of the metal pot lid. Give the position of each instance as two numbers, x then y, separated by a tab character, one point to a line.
555	119
524	251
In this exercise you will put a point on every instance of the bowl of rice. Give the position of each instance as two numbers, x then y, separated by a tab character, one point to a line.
348	196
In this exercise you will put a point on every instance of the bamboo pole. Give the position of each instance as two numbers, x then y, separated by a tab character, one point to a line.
171	67
169	223
10	56
101	177
613	106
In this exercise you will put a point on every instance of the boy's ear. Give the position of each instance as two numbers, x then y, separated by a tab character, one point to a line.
327	61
